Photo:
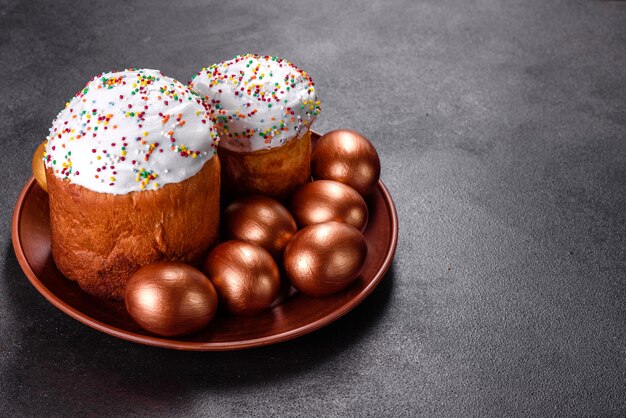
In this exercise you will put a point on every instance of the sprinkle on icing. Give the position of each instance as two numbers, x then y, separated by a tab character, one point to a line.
129	131
257	102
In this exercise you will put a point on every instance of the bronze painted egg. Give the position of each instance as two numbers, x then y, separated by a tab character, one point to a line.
347	157
170	298
260	220
39	169
327	200
325	258
245	276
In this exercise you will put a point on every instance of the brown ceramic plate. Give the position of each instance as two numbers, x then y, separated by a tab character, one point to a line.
295	316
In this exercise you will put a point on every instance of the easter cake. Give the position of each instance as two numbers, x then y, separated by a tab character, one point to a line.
263	108
133	178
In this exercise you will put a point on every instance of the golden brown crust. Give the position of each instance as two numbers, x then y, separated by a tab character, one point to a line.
101	239
276	172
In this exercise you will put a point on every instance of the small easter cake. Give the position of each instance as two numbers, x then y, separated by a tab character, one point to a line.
263	108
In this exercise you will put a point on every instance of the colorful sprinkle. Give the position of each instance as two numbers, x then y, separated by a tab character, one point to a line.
245	97
130	104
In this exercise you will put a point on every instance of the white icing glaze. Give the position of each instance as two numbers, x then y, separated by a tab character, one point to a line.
257	102
129	131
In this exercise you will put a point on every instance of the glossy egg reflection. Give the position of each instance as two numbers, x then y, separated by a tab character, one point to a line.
260	220
325	258
327	200
170	298
245	276
347	157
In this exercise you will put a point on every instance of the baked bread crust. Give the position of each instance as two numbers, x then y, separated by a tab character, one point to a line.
275	172
100	239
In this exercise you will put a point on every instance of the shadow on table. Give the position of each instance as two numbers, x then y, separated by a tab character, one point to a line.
80	368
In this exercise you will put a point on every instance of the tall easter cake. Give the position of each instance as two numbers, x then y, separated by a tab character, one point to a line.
133	178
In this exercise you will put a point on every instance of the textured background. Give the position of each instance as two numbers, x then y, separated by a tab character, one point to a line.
501	127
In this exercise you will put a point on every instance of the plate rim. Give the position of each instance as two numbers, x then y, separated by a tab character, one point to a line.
198	345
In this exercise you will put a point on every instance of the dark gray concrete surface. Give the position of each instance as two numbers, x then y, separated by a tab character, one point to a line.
501	127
